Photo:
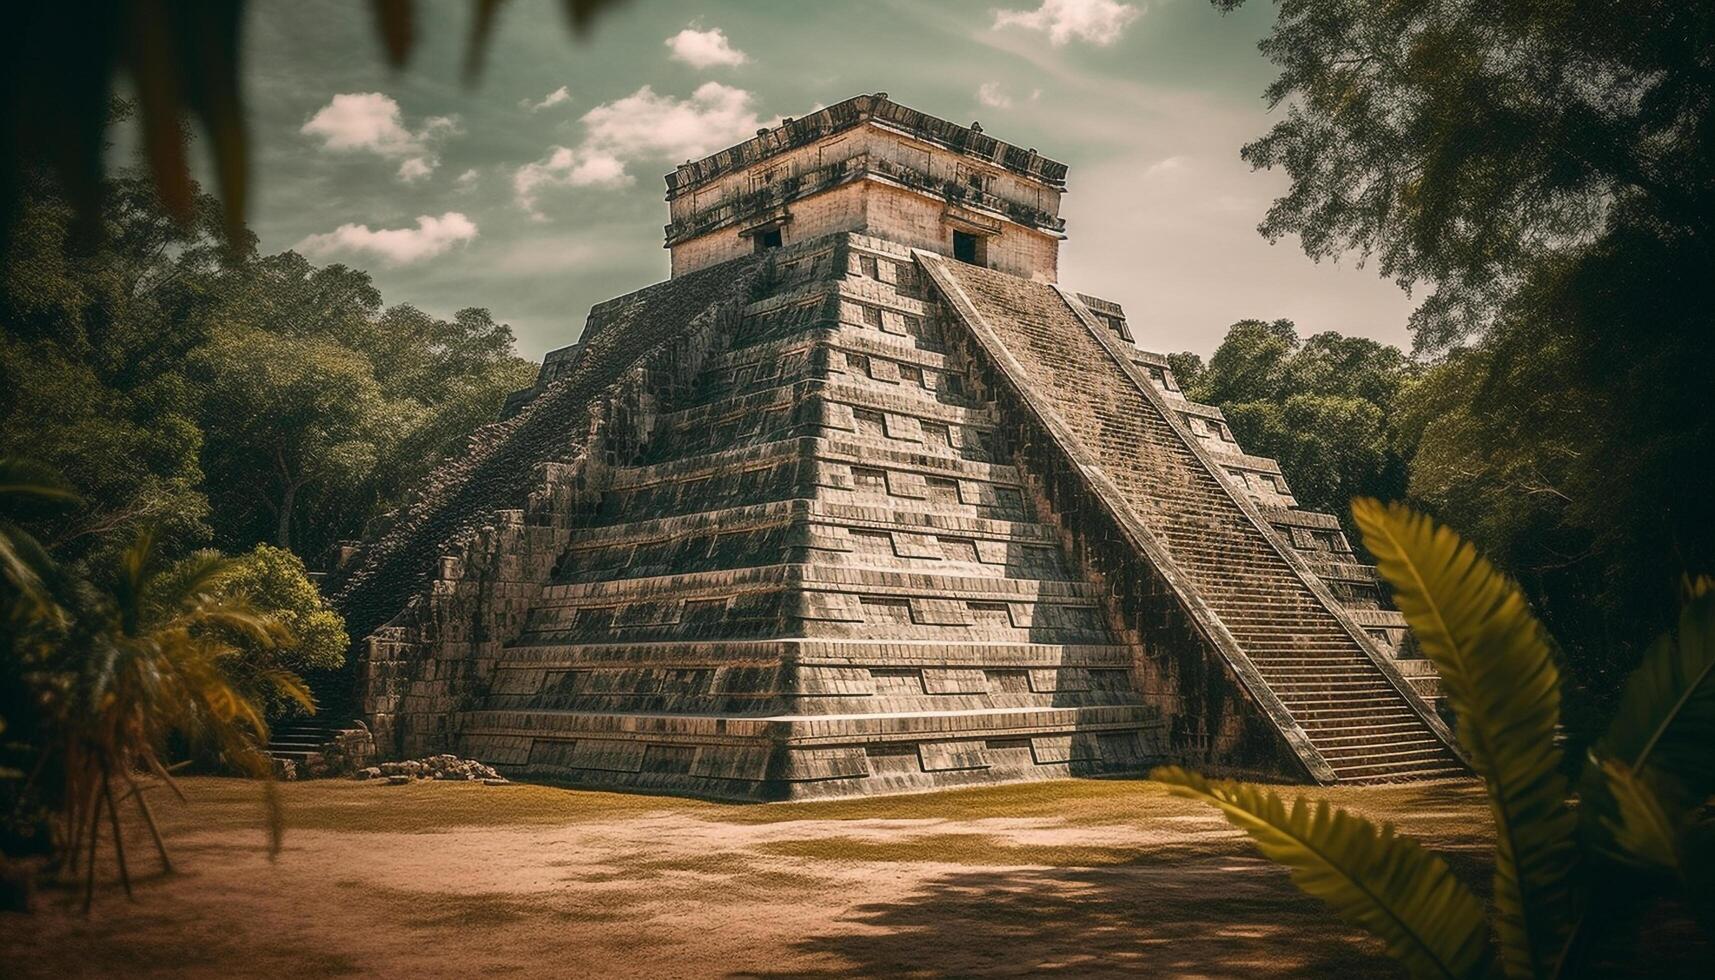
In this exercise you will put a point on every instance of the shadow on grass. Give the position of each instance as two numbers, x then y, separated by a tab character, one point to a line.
1170	914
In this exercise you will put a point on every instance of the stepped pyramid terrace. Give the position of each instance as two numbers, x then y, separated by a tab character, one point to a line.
861	500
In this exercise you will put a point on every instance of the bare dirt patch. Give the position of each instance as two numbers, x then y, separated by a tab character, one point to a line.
452	880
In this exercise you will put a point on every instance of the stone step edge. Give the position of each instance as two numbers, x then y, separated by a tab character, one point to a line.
814	449
806	730
801	577
809	510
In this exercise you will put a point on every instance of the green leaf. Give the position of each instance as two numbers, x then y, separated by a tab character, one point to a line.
1500	679
25	482
1638	830
1372	877
1665	724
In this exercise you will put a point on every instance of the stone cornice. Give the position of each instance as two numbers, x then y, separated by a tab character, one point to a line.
756	206
855	112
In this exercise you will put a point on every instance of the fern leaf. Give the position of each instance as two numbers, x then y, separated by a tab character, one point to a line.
1665	724
1500	679
1375	879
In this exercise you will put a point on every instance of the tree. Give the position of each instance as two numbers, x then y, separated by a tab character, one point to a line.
325	404
273	580
286	416
1324	407
1564	876
1548	171
92	382
1250	363
226	400
1187	368
1469	146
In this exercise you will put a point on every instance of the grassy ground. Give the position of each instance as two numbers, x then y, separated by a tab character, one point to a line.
1078	878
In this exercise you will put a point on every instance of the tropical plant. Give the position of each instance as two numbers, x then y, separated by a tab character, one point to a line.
1638	816
31	587
274	580
116	669
153	667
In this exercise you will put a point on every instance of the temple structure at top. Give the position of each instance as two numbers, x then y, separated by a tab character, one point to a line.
872	166
861	500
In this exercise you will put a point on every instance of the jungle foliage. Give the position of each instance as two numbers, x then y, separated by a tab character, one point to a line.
1544	175
224	401
113	668
1324	406
1569	879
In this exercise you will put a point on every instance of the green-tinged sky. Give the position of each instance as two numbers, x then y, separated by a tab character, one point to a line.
538	192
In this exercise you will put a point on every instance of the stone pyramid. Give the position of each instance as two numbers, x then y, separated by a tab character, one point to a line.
831	512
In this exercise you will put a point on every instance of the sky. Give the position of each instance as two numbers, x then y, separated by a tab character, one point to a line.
538	191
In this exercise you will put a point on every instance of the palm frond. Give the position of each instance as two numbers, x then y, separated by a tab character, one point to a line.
24	482
290	686
190	580
1638	830
1372	877
1501	681
23	560
1695	587
1665	724
240	619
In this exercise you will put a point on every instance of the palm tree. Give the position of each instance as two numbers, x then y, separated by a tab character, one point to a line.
157	665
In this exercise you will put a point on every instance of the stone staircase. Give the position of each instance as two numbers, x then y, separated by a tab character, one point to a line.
1257	603
299	738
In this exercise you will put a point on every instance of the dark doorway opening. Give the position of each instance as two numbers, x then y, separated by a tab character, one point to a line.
969	248
767	239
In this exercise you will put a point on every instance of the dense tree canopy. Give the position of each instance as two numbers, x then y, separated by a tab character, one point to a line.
274	579
223	401
1469	146
1323	406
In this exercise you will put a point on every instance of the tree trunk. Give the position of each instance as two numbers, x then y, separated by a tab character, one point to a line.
284	537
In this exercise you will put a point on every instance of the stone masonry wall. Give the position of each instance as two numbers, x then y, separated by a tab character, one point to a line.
437	596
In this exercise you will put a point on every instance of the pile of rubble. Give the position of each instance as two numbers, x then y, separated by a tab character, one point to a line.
449	767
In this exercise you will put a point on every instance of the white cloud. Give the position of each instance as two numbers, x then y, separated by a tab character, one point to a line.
558	96
370	122
1099	22
394	246
566	167
642	126
467	180
993	96
705	49
1163	167
415	169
